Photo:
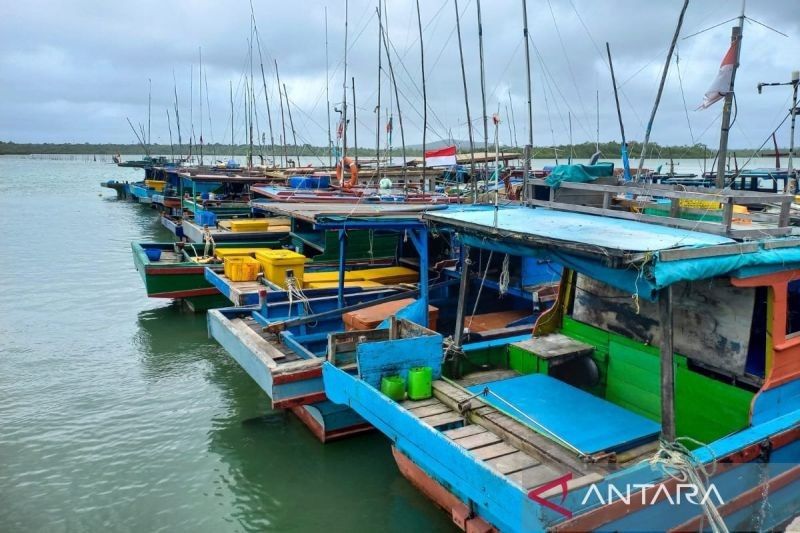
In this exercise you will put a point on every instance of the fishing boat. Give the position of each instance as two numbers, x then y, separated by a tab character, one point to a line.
177	270
667	367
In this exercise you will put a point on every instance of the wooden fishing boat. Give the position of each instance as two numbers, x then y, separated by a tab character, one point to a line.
177	270
660	392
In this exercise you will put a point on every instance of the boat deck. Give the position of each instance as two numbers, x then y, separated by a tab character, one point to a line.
504	444
238	292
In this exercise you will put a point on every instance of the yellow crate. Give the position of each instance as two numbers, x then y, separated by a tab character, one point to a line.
389	275
241	268
276	262
698	204
158	185
253	224
335	284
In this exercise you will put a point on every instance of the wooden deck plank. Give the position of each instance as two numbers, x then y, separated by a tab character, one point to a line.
507	464
466	431
430	410
478	440
412	404
493	451
533	477
486	376
443	419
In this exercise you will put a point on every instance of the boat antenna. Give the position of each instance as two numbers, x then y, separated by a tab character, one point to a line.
466	105
483	96
660	90
327	92
424	101
283	118
736	40
529	145
626	166
291	124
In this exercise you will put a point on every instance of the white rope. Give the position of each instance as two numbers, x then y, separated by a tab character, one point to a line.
505	277
676	461
209	240
478	298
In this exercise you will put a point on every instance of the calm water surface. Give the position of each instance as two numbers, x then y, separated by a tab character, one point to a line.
118	413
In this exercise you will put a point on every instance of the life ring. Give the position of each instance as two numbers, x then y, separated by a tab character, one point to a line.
353	172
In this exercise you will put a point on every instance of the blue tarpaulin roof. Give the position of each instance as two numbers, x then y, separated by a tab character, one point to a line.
589	243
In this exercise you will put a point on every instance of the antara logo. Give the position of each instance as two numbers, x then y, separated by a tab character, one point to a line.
644	493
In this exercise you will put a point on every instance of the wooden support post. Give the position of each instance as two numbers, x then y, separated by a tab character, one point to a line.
727	214
667	365
342	262
463	289
785	216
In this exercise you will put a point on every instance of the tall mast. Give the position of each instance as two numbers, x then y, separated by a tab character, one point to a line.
466	105
327	92
264	83
736	40
291	124
513	122
171	146
344	83
149	106
483	94
396	100
355	121
378	107
177	116
660	89
597	111
248	95
626	167
233	153
200	78
529	146
424	100
283	119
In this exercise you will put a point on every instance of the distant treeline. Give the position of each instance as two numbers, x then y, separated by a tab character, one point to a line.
609	150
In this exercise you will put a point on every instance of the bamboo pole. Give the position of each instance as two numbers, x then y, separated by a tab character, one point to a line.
473	177
424	101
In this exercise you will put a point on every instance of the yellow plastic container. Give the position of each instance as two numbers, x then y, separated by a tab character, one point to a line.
158	185
253	224
241	268
276	262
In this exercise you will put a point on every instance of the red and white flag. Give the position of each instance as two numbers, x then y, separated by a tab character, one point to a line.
443	157
722	83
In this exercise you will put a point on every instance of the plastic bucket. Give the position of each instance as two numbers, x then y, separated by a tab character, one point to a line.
153	254
394	387
419	383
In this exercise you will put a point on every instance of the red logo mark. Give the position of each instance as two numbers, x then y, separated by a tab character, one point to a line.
535	494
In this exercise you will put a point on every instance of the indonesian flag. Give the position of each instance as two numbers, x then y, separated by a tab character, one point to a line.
443	157
722	83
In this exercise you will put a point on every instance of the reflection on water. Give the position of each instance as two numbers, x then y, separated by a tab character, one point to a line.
119	413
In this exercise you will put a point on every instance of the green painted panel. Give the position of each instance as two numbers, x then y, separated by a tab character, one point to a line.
524	361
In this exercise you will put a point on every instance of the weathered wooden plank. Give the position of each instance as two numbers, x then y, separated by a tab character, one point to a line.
413	404
443	419
487	376
709	251
430	410
492	451
255	343
534	476
555	345
465	431
478	440
513	462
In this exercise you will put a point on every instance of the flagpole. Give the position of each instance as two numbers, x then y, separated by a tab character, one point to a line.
736	40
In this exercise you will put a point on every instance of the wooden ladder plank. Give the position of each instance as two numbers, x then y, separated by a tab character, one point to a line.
443	419
493	451
430	410
411	404
513	462
478	440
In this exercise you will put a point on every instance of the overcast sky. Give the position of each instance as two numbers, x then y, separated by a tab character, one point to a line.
73	71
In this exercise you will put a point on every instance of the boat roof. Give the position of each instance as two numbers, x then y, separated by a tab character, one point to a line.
227	178
322	212
638	257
